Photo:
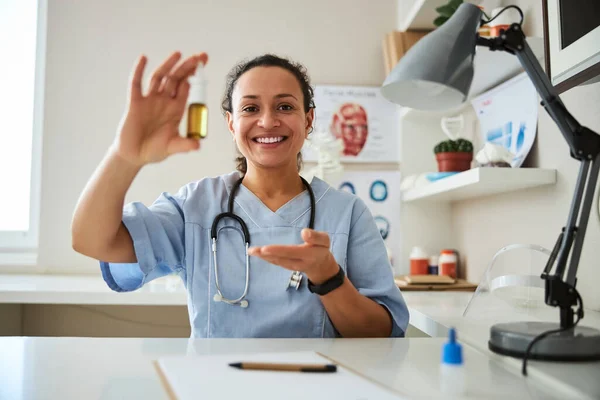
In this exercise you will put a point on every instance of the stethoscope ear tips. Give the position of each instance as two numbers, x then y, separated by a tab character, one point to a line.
244	303
217	297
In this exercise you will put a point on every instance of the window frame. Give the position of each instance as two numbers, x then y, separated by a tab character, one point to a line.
19	248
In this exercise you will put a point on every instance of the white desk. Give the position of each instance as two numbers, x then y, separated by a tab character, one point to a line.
435	312
94	368
431	312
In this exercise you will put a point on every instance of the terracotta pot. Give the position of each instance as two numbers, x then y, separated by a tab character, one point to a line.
454	161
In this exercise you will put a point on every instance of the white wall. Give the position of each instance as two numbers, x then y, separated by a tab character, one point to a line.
536	216
92	45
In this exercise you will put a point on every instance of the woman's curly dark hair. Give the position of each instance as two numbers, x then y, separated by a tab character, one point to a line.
267	60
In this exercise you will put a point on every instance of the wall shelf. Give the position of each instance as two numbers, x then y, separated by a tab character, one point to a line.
479	182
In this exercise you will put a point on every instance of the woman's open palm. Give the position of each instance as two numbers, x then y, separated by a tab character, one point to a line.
149	131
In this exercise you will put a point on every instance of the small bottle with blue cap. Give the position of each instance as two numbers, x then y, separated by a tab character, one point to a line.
452	371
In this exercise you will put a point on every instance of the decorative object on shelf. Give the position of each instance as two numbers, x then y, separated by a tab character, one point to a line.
454	155
419	261
425	70
448	263
396	44
436	176
433	268
494	155
453	127
329	152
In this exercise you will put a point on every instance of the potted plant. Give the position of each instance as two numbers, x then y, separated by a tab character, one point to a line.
446	11
454	155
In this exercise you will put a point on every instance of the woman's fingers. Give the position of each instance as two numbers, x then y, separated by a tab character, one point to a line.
182	93
316	238
300	251
292	264
182	145
162	71
182	72
202	58
135	91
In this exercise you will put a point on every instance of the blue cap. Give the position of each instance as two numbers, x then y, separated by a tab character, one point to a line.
452	351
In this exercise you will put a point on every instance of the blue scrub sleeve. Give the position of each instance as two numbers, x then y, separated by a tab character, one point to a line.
158	240
369	270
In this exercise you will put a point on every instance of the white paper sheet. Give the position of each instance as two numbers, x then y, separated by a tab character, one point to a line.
211	377
508	116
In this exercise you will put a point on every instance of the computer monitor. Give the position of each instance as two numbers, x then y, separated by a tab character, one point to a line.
572	42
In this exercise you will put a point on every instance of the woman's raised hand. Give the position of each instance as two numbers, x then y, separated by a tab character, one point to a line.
149	131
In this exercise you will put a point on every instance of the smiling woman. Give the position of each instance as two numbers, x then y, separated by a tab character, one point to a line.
204	232
289	102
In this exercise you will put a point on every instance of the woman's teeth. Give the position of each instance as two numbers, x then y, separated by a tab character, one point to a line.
270	139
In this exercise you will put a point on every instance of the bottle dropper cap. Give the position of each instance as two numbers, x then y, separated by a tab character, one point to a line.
452	351
198	76
198	86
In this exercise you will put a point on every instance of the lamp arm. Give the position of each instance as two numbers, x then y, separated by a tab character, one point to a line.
585	147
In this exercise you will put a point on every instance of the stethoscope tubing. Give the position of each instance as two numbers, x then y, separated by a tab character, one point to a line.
230	214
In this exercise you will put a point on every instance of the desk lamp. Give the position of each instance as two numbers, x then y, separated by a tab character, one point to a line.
436	74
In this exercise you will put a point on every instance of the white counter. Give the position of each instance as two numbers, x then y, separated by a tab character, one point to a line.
435	312
86	289
100	368
431	312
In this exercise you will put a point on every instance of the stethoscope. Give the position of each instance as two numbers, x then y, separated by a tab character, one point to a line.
295	278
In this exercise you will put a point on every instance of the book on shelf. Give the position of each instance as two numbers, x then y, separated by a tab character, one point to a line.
396	44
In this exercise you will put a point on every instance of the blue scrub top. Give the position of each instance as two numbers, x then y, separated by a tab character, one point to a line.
173	236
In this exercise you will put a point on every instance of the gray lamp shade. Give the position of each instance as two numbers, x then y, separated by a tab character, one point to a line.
436	73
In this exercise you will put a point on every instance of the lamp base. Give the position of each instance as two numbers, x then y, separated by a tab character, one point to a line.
512	339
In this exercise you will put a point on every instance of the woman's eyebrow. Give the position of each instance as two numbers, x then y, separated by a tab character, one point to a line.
277	96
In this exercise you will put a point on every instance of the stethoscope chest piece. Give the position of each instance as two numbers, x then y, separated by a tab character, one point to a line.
242	303
295	280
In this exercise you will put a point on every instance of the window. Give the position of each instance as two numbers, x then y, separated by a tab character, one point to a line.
23	30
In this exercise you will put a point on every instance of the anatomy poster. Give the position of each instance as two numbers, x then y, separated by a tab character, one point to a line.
380	192
362	118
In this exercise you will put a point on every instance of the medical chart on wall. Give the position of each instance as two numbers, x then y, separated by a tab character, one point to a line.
380	192
362	118
508	116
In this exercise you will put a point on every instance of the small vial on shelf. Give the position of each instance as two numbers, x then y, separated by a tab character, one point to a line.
197	113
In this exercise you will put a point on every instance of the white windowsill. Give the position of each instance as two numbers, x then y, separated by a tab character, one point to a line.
38	288
18	259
